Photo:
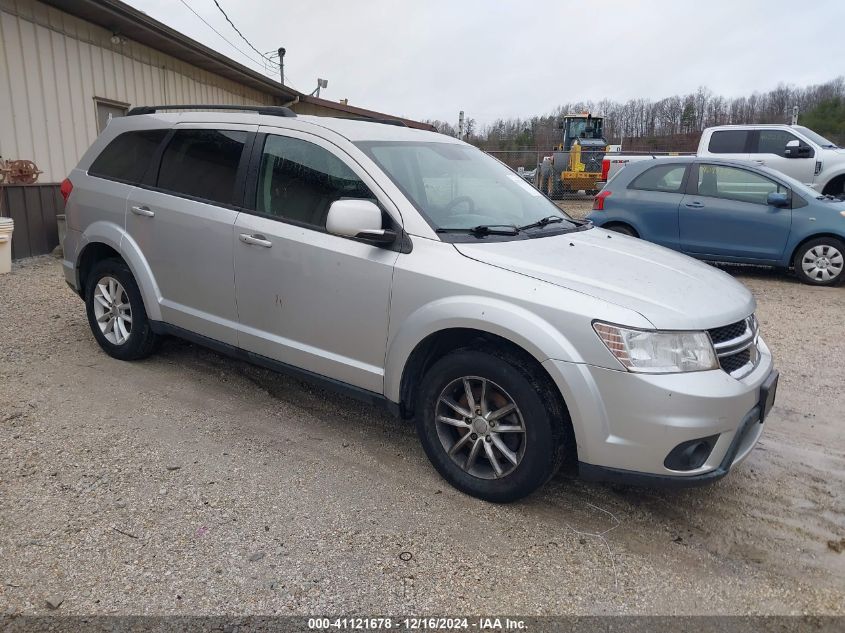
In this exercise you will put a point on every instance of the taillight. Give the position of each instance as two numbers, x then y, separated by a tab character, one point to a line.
605	168
66	188
598	201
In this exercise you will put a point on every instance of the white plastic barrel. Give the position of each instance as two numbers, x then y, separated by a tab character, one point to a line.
7	226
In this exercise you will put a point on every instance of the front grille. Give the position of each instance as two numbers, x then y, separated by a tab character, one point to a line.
592	160
736	346
727	332
735	361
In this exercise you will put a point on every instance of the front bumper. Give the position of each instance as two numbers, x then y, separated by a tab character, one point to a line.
627	423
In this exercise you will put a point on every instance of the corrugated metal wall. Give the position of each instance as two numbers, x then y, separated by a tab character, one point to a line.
34	209
53	66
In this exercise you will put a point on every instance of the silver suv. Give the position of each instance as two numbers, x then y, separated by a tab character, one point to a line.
411	269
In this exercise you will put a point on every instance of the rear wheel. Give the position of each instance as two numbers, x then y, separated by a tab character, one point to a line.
820	262
116	312
489	425
622	228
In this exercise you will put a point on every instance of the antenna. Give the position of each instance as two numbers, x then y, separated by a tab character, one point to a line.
321	83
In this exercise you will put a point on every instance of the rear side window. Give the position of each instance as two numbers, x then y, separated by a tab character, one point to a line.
666	178
728	142
299	181
127	157
202	164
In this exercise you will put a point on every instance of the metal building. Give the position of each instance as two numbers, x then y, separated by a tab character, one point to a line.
66	66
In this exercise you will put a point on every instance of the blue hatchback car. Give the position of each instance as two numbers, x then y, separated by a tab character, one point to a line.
728	211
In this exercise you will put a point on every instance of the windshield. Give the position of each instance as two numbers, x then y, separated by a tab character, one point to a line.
459	187
579	128
818	139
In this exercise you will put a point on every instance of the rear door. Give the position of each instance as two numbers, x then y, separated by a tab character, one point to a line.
183	221
732	144
725	214
769	149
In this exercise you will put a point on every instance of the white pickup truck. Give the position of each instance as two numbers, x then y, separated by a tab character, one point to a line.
790	149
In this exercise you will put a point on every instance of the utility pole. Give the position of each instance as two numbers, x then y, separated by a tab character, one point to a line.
282	65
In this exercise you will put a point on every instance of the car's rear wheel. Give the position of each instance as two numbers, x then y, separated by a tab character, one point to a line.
621	228
820	262
489	425
116	312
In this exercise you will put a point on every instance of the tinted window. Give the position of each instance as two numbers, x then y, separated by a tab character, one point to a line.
732	183
661	178
774	141
127	157
202	164
728	142
299	180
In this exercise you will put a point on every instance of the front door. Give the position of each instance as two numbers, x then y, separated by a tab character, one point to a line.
184	225
305	297
770	151
726	214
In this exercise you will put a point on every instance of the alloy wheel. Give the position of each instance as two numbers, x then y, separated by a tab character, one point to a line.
480	427
822	262
112	310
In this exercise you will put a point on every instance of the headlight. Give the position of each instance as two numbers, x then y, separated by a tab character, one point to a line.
658	352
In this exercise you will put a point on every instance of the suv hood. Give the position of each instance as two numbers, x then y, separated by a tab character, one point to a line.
669	289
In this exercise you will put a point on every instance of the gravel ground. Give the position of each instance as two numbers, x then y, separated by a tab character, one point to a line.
190	483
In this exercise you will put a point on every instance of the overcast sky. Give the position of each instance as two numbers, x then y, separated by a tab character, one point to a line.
502	58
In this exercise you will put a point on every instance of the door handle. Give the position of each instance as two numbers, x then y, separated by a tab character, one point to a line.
143	211
256	240
759	162
694	205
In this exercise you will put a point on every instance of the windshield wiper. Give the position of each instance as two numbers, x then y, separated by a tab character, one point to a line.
549	219
484	229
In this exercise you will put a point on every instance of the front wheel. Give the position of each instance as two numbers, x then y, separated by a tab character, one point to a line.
820	262
489	425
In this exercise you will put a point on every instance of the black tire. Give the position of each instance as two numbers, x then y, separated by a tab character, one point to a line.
830	248
624	229
547	428
141	340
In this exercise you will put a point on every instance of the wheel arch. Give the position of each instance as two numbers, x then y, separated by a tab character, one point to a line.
102	240
809	238
830	187
609	226
453	320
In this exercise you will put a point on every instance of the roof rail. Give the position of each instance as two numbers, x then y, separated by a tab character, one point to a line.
396	122
259	109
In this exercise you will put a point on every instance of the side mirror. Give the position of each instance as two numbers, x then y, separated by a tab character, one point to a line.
779	200
359	219
794	149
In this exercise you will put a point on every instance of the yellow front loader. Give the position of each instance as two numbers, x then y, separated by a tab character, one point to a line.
575	164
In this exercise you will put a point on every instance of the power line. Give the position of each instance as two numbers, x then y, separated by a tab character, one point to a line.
263	61
217	4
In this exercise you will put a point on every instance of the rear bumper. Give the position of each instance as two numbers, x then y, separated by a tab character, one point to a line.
71	248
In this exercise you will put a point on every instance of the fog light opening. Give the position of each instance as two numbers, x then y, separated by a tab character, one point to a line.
691	454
